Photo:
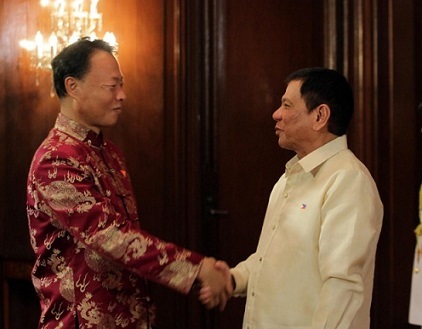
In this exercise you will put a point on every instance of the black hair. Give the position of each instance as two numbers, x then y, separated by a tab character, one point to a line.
327	86
75	61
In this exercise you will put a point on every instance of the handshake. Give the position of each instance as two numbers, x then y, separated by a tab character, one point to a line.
217	286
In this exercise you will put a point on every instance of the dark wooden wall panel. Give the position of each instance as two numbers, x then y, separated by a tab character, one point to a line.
183	60
2	138
418	94
397	160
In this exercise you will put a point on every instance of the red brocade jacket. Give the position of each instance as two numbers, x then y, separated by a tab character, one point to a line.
93	259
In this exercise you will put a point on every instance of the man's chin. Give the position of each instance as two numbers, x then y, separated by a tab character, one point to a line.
282	143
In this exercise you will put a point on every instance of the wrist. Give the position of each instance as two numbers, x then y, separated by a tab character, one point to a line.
196	286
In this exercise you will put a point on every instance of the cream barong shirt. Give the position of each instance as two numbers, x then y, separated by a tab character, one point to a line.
314	264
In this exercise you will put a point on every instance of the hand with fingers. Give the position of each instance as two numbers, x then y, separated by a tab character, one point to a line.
207	293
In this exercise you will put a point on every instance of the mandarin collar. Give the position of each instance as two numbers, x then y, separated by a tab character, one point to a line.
78	131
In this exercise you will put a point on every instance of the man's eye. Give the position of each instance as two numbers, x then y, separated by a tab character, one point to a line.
111	87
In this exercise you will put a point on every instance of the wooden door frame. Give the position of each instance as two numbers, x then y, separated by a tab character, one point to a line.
189	100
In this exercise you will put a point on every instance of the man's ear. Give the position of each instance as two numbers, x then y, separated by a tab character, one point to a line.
321	116
72	86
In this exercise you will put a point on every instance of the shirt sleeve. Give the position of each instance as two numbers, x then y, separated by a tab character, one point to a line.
241	276
70	189
350	224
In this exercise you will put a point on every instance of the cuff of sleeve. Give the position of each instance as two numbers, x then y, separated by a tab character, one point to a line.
241	283
196	283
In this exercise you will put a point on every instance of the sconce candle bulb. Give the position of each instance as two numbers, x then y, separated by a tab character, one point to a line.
70	20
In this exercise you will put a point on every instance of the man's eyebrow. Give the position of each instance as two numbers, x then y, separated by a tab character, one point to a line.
118	79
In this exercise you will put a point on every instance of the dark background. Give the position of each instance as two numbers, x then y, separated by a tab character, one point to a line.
203	78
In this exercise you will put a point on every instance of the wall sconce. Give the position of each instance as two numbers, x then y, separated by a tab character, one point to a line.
70	20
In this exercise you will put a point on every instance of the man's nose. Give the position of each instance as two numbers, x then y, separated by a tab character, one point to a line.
277	114
121	96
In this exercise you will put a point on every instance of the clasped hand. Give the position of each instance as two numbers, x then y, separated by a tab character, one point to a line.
216	283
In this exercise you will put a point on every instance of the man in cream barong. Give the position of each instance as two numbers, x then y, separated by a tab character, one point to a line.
415	311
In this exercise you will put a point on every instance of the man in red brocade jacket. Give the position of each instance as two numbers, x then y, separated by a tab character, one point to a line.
93	259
